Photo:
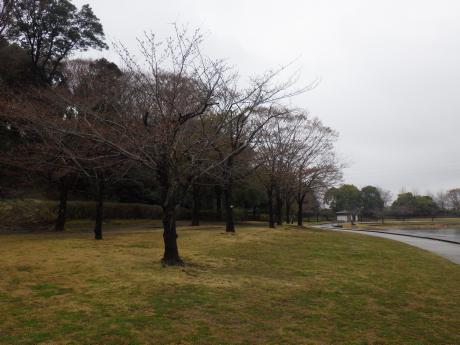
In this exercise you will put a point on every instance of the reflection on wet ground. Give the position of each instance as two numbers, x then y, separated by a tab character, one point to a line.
444	234
450	251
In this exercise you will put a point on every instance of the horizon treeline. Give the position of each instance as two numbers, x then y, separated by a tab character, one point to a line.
373	202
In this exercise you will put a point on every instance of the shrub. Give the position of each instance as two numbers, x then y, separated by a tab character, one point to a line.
28	213
239	214
20	214
115	210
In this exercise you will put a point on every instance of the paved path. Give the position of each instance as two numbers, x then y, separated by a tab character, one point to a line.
450	251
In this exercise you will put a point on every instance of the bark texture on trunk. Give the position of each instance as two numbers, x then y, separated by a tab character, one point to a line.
62	210
271	213
99	207
171	254
218	194
196	205
288	212
228	200
300	210
279	208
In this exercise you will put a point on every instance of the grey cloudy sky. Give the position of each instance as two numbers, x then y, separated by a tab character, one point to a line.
390	71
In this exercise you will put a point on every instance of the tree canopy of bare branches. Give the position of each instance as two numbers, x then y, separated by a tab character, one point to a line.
183	118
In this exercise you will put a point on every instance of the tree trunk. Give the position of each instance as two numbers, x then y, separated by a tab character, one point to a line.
62	211
300	210
279	208
99	207
288	212
228	200
218	194
271	214
171	254
196	205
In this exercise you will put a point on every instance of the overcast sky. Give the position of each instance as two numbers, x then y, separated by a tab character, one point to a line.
390	71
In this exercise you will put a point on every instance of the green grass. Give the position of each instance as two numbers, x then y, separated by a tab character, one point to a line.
260	286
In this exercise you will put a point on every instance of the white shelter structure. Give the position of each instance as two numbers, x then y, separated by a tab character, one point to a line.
345	216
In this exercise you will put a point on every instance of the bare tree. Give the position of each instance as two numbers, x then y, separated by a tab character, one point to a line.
244	113
453	197
49	147
54	130
177	113
298	160
37	149
42	154
159	120
317	168
6	7
386	198
277	151
442	200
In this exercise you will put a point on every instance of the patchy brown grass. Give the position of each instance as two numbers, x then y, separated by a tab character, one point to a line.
289	285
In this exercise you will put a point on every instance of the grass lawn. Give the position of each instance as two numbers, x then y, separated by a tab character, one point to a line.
259	286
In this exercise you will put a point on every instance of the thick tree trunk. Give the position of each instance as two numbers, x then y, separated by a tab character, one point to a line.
62	211
300	210
228	200
196	205
279	208
171	254
218	194
271	215
99	207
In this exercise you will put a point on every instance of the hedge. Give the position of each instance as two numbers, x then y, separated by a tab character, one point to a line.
31	213
26	213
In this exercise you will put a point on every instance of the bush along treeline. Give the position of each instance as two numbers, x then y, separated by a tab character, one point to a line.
372	203
168	126
33	214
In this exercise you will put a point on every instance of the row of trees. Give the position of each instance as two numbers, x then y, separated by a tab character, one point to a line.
170	117
374	202
449	201
410	205
370	201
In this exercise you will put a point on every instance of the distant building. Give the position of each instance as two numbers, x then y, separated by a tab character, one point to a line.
345	216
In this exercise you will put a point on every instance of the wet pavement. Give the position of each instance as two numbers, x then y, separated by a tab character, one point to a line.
443	234
450	251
